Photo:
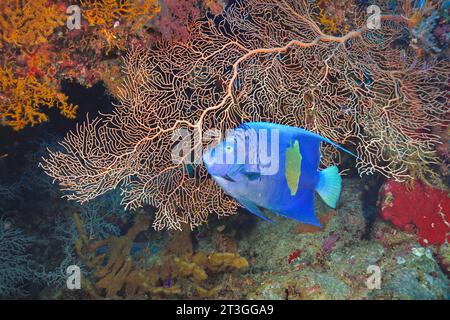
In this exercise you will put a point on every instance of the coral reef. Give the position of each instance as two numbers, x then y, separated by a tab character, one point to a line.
339	271
423	209
38	51
285	260
356	88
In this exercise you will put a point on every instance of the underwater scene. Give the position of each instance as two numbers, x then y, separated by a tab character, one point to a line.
224	149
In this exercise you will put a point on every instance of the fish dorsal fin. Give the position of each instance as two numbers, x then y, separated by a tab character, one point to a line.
310	143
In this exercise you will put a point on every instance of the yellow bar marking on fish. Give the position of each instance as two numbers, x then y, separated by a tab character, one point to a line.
293	167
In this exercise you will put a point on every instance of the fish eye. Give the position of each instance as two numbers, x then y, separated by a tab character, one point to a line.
228	149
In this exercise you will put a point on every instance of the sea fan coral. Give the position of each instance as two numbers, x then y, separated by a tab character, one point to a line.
13	259
277	66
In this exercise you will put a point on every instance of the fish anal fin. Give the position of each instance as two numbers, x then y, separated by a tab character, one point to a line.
302	209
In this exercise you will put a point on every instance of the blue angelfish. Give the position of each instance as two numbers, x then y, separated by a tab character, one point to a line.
275	168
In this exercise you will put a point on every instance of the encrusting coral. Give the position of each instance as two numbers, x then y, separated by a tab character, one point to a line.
198	266
422	209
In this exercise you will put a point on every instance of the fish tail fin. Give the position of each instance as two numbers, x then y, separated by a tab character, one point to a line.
329	185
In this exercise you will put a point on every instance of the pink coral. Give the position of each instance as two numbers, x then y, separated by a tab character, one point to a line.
423	209
175	17
330	242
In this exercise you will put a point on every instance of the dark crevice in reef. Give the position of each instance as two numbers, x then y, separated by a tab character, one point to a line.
93	101
371	187
19	145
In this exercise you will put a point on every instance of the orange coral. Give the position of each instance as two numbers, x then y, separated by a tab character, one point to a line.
115	271
28	23
27	83
328	23
195	268
334	15
106	12
22	100
109	15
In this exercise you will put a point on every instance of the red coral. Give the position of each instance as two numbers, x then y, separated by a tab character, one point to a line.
294	255
423	209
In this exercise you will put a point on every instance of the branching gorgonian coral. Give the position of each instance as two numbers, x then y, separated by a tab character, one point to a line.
22	100
259	61
14	260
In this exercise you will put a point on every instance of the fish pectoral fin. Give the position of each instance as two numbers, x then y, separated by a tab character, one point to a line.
235	169
302	209
252	175
241	169
253	208
228	178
